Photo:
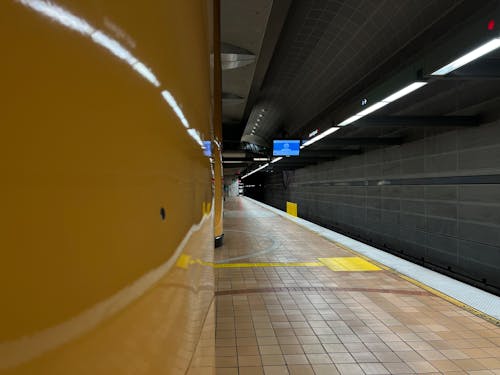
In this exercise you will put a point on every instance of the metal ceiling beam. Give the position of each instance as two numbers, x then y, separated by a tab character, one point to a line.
419	121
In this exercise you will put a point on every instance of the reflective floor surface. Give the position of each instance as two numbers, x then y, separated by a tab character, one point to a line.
292	302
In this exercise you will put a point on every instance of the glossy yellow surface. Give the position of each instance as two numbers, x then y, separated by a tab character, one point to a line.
218	169
104	185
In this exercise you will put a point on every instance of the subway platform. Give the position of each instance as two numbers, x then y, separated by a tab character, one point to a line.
290	301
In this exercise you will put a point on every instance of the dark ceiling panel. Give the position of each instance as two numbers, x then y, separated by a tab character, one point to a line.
327	46
331	52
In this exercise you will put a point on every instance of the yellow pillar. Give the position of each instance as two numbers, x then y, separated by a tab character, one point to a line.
217	155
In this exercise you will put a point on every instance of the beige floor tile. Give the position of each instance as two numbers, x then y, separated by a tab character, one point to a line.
272	360
445	365
422	367
349	369
296	359
397	368
292	349
226	351
293	316
454	354
492	363
226	361
270	349
226	371
431	355
469	364
373	368
318	359
276	370
313	348
386	356
300	370
251	371
249	360
328	369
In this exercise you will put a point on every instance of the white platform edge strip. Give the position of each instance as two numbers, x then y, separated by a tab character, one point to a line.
480	300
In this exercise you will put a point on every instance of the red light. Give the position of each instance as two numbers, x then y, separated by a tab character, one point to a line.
491	25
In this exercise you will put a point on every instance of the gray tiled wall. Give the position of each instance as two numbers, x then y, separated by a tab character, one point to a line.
453	226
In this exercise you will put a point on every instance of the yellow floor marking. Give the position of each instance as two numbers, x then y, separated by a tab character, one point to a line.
334	264
349	264
183	261
348	249
276	264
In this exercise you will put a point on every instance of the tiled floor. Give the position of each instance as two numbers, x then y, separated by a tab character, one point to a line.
313	320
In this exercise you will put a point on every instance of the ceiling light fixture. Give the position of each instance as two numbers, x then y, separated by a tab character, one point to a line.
260	159
255	170
467	58
391	98
333	129
374	107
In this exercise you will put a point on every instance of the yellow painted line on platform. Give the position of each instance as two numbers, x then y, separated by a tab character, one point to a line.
275	264
335	264
349	264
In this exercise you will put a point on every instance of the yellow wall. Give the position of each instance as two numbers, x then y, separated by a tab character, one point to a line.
96	100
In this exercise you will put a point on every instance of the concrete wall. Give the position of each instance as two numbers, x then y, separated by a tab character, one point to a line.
436	200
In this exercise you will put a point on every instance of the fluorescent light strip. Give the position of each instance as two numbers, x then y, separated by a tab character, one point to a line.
467	58
276	159
350	120
255	170
333	129
404	91
260	159
372	108
391	98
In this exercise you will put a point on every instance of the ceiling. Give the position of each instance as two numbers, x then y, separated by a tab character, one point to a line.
315	59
